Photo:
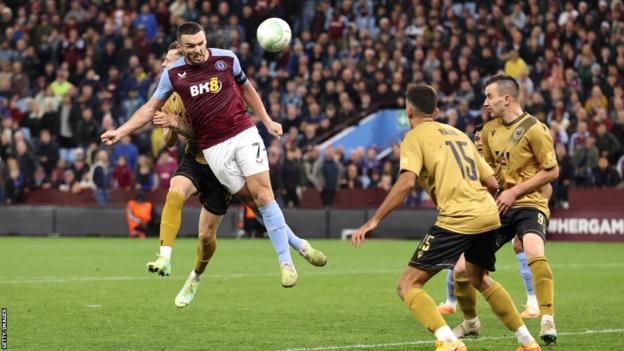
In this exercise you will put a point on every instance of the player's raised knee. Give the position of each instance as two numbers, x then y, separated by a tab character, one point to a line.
263	196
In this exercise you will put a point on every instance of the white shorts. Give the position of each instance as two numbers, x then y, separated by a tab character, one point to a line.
236	158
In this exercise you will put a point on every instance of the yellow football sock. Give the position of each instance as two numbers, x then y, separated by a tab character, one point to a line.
205	249
424	309
503	306
171	218
543	284
466	296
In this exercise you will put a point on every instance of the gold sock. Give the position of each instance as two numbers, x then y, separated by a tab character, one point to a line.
424	309
466	296
205	249
503	306
171	218
543	284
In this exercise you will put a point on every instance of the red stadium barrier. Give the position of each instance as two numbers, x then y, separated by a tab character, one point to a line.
594	215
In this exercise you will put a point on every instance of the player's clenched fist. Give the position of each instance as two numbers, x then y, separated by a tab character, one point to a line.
110	137
274	128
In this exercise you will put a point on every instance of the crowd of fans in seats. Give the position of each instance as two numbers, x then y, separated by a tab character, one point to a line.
71	69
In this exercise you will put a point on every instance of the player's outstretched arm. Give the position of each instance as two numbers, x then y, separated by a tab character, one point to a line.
140	118
252	99
394	200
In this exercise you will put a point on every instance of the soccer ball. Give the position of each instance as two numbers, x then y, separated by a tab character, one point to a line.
274	34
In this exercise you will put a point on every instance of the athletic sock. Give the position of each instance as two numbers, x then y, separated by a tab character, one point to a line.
526	274
276	229
466	296
543	283
171	218
294	241
450	287
424	309
503	306
205	251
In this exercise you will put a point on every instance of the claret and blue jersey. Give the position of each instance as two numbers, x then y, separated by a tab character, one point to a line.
210	94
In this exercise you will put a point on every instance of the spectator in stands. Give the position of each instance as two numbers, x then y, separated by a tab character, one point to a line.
352	178
145	178
47	151
2	178
579	138
69	183
607	143
27	161
605	175
40	180
165	167
57	173
6	143
14	183
292	173
585	159
327	171
87	129
80	167
276	174
60	86
101	178
128	150
370	162
565	180
122	175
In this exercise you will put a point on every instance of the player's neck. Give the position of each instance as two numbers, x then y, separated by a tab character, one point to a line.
416	121
512	113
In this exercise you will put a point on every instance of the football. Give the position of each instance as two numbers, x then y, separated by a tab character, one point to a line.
274	34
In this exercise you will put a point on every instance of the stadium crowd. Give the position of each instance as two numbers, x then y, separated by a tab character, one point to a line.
70	70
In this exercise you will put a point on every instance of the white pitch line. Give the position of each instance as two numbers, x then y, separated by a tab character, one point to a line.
421	342
52	280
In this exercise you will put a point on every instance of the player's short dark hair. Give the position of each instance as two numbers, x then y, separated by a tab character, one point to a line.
423	97
174	45
188	28
478	127
505	84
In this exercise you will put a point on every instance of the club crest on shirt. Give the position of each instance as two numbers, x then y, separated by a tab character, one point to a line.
220	65
182	75
517	134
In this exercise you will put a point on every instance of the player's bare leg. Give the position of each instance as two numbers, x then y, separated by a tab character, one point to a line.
180	189
501	304
531	309
206	246
423	308
260	188
303	247
543	283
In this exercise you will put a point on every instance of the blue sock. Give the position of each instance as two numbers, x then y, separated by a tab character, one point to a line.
450	286
525	272
294	241
276	227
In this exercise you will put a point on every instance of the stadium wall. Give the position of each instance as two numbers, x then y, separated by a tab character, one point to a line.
309	223
595	215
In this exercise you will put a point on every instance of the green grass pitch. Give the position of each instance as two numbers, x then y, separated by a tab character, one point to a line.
95	294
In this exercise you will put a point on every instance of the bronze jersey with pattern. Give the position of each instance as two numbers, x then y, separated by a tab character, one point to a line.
517	151
450	169
174	105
